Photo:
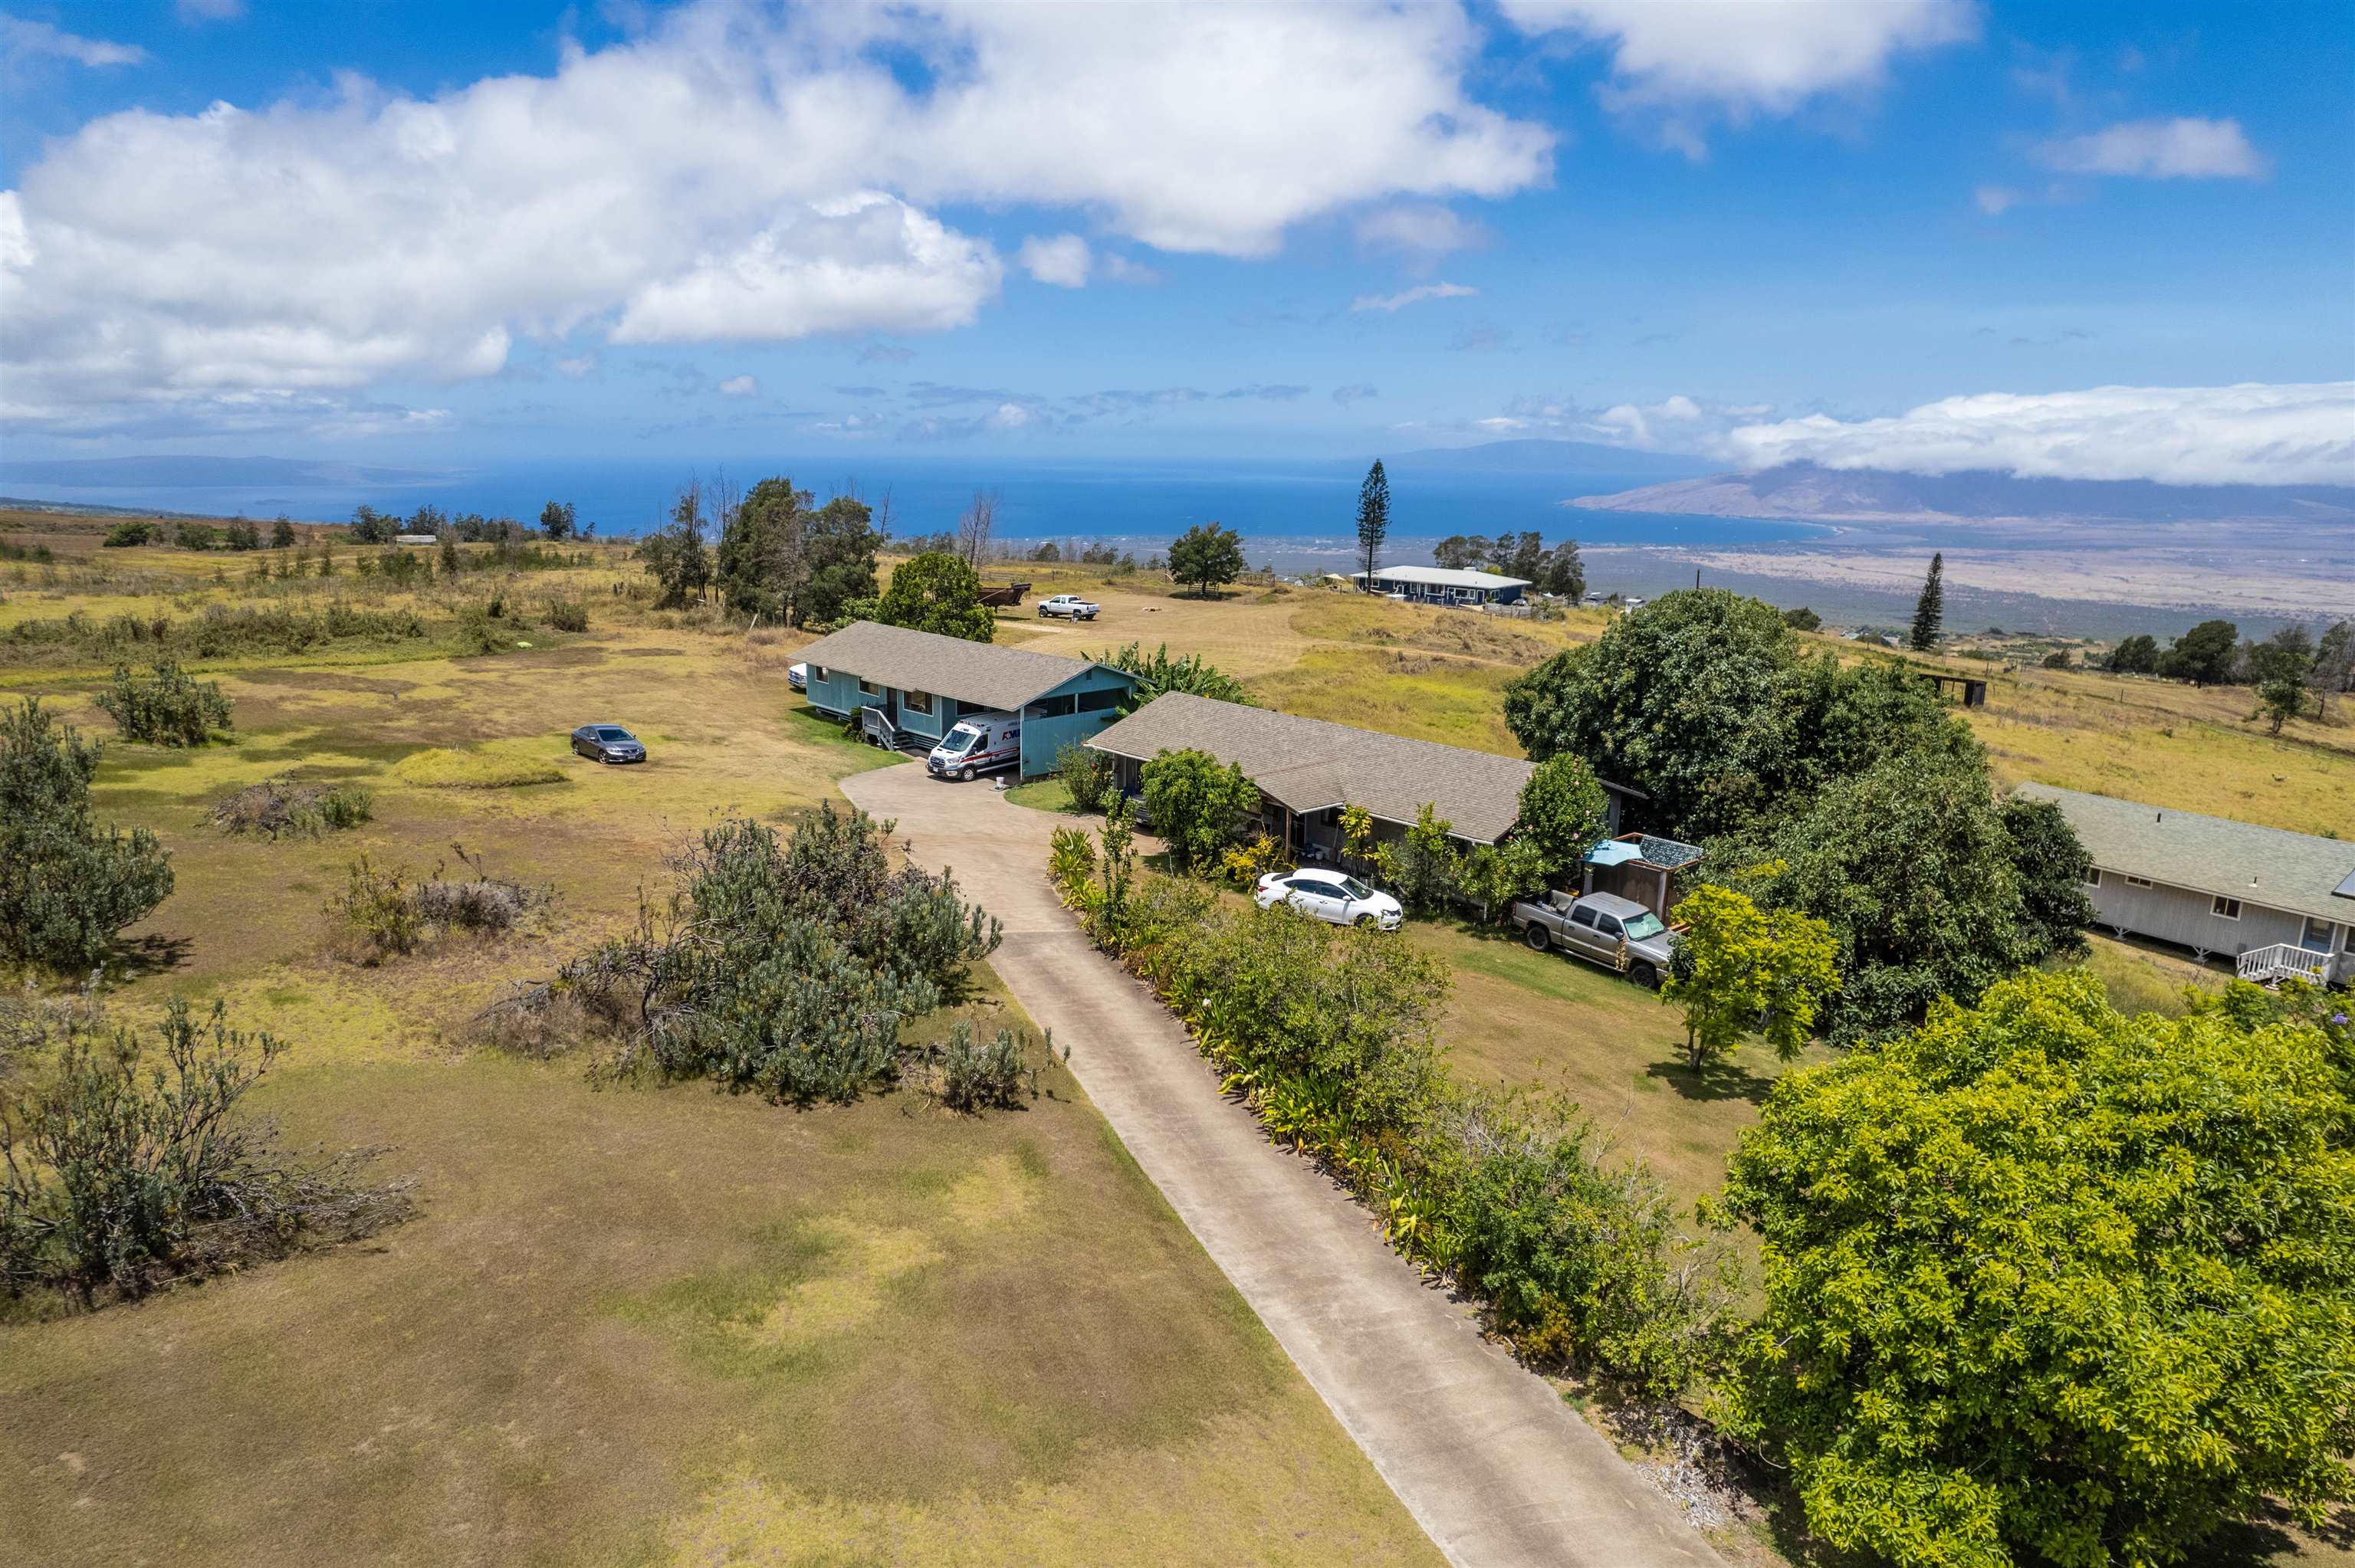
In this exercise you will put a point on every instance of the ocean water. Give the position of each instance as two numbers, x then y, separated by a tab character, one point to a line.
1292	517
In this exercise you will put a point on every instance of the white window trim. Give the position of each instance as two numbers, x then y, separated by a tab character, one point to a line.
917	702
2137	882
2092	878
2216	907
869	689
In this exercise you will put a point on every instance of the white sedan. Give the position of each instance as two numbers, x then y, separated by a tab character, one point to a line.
1333	895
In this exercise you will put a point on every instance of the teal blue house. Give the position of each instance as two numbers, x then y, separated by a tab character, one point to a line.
912	687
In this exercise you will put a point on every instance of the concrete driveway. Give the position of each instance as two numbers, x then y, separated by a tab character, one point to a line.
1486	1456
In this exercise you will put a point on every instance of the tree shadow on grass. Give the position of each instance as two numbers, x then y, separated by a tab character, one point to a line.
2268	1538
156	953
1719	1080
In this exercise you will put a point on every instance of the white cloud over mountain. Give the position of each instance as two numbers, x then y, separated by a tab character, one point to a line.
2159	150
734	173
2248	434
1676	64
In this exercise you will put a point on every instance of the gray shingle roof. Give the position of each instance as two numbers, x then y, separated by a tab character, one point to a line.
2281	870
1308	764
978	673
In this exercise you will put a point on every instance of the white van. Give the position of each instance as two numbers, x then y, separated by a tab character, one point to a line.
981	743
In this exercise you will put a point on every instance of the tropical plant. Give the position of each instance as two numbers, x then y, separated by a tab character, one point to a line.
1197	805
1157	672
1740	968
1086	774
2047	1283
1243	864
939	593
67	883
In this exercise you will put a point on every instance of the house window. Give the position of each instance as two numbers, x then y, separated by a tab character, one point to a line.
2093	876
917	702
2315	939
2226	908
2137	882
817	671
1048	707
1102	701
871	689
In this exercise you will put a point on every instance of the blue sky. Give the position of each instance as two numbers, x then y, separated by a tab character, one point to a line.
1906	233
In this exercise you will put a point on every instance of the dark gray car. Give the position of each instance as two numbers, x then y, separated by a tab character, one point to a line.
607	743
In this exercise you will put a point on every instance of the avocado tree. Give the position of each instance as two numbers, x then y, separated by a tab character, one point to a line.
2045	1283
937	592
1564	811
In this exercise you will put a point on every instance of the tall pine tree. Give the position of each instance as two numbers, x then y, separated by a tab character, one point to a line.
1930	610
1373	520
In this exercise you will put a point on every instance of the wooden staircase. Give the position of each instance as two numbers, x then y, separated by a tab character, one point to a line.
2283	960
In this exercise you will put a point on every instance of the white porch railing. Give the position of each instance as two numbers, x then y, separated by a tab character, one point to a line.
2283	960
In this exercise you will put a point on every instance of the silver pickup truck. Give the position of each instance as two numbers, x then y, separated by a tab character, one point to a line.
1601	927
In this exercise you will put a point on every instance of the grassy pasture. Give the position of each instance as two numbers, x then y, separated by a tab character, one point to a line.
632	1325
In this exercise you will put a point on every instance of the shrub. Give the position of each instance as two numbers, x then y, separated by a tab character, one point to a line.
126	1165
1196	805
1087	774
1157	672
567	615
196	535
126	535
277	807
377	913
785	967
2047	1283
966	1074
170	707
1421	867
1243	864
481	630
1493	876
67	883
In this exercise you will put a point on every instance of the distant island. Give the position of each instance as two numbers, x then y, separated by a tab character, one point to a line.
1805	491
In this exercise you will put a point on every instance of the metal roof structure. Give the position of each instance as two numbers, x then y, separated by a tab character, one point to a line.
1308	764
2303	874
978	673
1442	576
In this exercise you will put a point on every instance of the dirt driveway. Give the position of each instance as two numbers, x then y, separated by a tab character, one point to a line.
1486	1455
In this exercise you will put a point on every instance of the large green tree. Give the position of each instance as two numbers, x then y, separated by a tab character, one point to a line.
67	884
2049	1284
937	591
1373	520
1197	805
1692	699
1207	554
2282	665
780	559
1911	863
1741	968
1930	607
2203	655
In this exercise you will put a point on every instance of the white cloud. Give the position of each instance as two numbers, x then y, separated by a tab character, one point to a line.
729	172
1419	228
1995	200
22	39
1416	295
1648	426
2159	150
1063	260
1675	64
578	367
210	10
1121	270
2248	434
740	387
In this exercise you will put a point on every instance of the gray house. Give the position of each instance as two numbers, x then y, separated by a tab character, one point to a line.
1442	585
2281	903
1307	770
914	685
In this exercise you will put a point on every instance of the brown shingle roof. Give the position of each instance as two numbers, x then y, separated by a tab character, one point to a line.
978	673
1308	764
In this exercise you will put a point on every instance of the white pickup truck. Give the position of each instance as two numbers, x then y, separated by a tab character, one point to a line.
1067	604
